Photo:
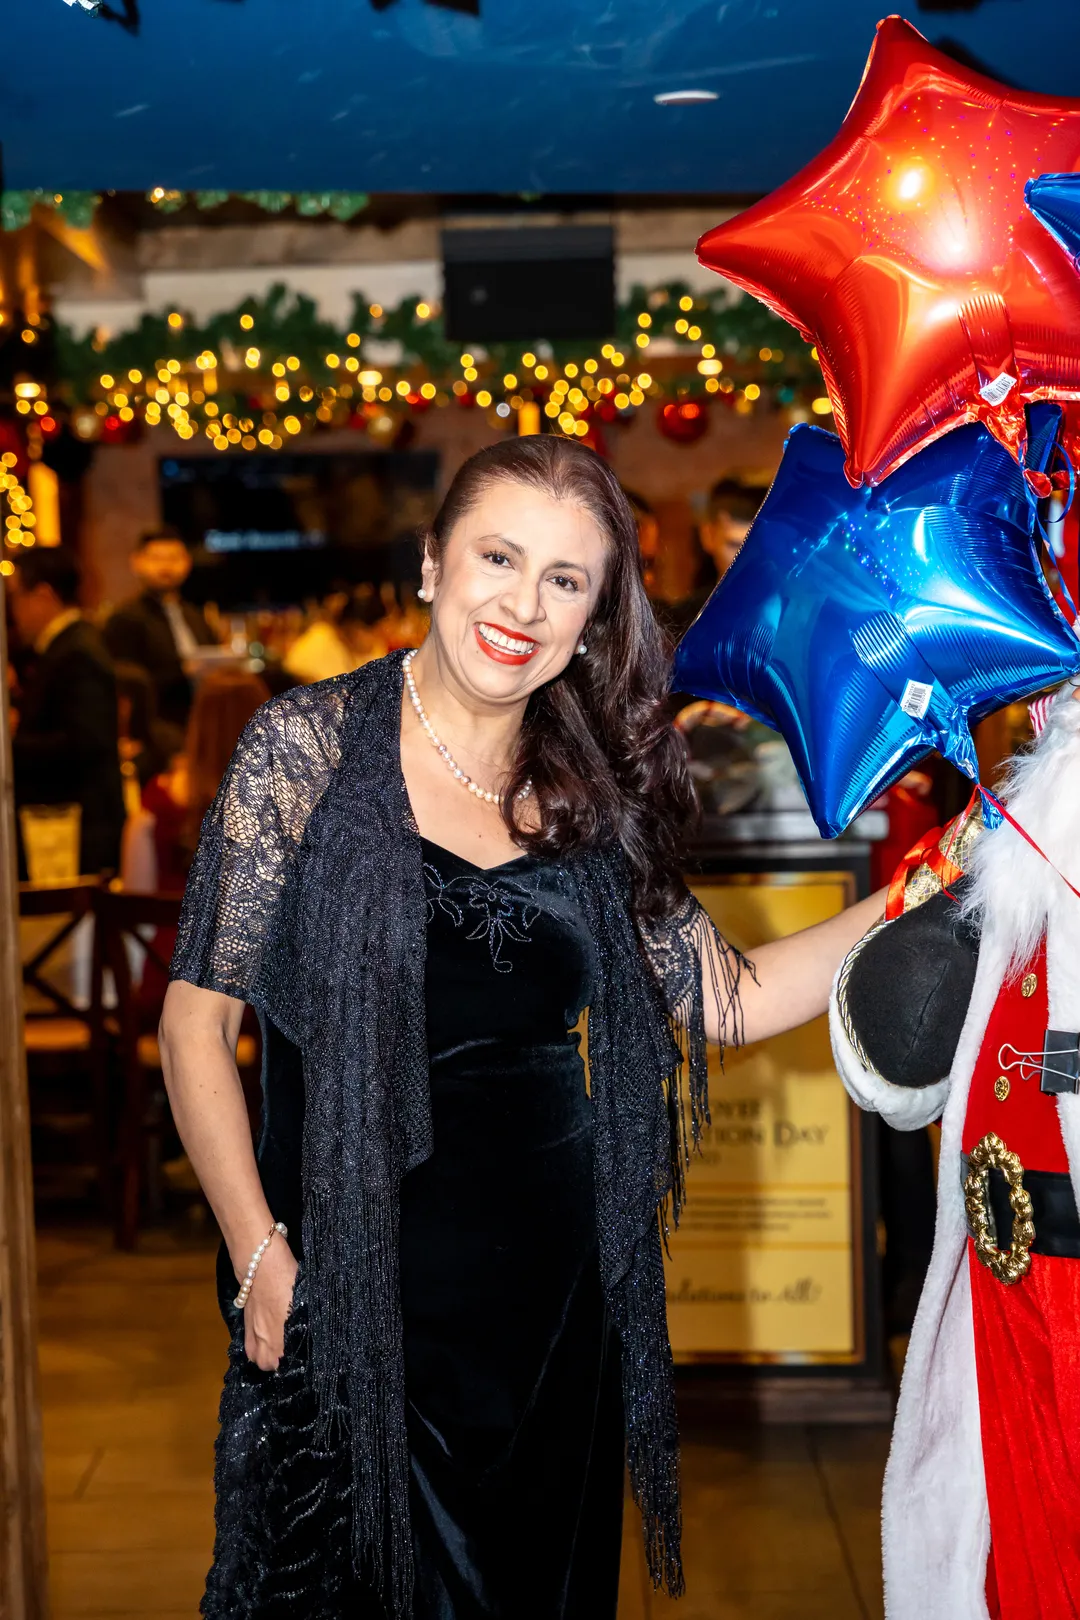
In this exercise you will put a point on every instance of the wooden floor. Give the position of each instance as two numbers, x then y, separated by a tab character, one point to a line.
780	1524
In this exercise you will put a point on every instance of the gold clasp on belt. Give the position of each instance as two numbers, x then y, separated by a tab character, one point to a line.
1007	1265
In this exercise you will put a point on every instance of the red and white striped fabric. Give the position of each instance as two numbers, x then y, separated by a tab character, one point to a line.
1039	710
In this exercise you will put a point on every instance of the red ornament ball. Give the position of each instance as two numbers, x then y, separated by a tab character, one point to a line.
684	421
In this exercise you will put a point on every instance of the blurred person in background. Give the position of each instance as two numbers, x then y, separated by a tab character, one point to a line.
64	717
146	743
160	841
732	507
157	629
648	534
351	634
159	844
729	511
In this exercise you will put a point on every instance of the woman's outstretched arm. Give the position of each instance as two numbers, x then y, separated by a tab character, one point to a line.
793	975
198	1035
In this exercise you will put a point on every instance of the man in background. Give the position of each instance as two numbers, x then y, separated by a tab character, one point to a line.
729	512
157	629
730	509
64	718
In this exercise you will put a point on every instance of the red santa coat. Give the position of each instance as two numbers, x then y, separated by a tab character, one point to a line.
935	1511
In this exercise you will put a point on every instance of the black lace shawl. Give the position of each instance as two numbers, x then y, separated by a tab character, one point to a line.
306	899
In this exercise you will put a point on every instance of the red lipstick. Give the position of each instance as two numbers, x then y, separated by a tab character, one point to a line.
500	654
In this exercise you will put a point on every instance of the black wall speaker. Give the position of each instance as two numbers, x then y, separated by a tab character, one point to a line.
522	285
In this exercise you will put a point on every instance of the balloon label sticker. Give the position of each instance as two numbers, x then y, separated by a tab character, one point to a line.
916	698
994	392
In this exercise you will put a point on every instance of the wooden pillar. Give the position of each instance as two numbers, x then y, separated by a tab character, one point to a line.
23	1577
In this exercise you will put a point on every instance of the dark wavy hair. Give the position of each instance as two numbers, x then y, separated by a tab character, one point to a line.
597	743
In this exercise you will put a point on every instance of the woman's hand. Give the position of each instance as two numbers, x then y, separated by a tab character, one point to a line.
791	977
269	1304
198	1035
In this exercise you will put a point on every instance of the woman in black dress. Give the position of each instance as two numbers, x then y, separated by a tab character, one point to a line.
421	875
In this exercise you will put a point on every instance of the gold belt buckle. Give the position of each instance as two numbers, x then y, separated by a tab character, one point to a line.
1007	1265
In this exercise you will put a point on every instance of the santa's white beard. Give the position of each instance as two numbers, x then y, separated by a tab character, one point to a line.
1013	891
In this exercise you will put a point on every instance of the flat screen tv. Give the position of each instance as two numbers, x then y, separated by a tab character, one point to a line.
270	530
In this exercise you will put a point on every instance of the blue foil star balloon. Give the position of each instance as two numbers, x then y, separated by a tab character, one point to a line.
1054	199
870	626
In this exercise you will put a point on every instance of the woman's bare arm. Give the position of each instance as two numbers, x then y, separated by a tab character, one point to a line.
794	975
198	1035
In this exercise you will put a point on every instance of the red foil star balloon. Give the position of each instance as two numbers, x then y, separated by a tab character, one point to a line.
906	253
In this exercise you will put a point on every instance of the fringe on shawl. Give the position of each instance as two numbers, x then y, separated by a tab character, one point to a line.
685	954
650	1095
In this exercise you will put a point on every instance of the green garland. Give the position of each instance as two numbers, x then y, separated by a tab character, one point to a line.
723	346
260	374
79	207
76	207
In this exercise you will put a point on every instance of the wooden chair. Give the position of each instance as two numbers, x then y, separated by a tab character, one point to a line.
64	1041
127	924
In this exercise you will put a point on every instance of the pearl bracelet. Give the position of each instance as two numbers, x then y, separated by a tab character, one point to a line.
256	1260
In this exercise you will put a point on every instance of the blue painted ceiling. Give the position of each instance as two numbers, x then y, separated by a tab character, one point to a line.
520	96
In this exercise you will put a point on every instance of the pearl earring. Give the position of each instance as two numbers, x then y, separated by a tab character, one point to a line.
422	594
582	648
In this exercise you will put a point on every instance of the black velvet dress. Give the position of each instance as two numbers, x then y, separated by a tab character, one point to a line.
514	1406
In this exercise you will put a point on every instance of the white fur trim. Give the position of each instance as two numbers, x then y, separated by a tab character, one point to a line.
906	1108
935	1524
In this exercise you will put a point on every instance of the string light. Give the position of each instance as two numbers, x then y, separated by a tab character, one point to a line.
571	390
20	520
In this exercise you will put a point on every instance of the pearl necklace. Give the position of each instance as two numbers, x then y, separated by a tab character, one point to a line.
451	763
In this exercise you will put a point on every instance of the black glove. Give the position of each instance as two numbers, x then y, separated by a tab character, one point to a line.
903	995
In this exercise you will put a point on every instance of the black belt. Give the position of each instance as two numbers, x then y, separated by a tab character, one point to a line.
1053	1210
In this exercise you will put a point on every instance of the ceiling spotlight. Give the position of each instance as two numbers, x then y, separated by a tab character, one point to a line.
684	98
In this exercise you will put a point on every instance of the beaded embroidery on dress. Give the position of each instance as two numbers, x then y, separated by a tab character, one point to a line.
493	908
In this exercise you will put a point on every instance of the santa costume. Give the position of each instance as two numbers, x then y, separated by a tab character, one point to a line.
981	1504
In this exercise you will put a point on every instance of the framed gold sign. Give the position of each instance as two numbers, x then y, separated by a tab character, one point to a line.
767	1266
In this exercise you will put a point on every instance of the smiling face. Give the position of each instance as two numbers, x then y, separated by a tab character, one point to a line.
518	582
162	565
